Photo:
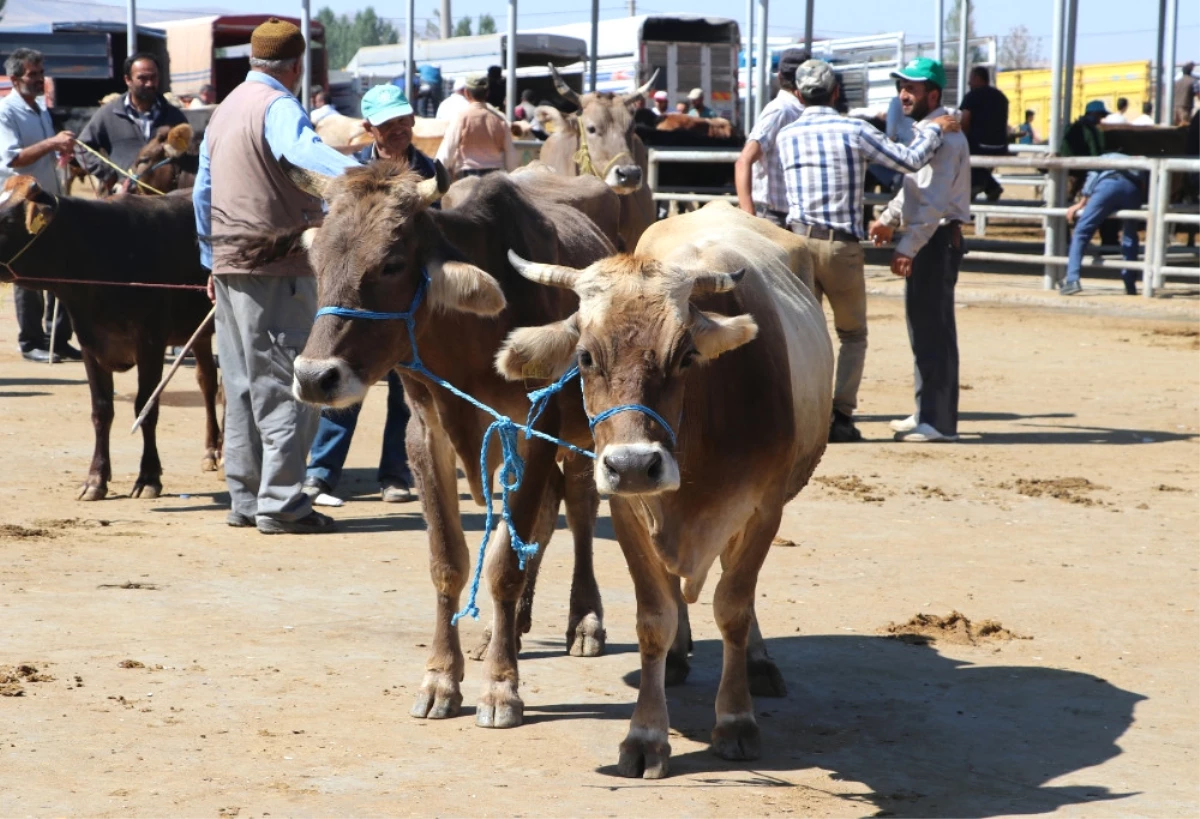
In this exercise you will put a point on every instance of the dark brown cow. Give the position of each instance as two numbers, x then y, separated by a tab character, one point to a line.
684	497
168	162
124	239
614	153
377	240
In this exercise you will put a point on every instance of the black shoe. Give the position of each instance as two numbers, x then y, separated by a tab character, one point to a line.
68	353
314	487
239	521
311	523
39	355
842	429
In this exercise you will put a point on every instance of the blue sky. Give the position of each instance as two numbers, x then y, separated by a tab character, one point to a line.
1109	30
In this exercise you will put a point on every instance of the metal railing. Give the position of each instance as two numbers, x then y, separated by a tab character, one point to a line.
1158	214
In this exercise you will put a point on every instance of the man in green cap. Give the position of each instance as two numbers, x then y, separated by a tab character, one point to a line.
929	212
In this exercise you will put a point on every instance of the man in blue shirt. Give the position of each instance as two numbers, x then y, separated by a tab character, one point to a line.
1104	193
388	118
265	313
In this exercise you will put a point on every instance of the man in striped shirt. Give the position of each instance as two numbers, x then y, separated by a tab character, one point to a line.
825	157
758	174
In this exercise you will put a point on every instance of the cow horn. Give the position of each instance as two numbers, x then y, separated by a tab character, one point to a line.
641	92
432	189
708	283
565	91
551	274
308	181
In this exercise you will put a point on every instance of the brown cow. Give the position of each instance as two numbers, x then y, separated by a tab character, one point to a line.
168	162
614	153
377	241
147	239
716	128
684	496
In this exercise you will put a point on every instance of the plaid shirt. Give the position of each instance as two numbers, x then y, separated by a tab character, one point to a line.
824	157
769	188
144	119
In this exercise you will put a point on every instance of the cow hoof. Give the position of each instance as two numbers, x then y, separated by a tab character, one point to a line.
736	738
677	670
499	707
146	491
209	463
644	755
765	679
439	698
93	492
586	638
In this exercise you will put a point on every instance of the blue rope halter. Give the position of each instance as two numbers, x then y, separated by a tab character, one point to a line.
512	469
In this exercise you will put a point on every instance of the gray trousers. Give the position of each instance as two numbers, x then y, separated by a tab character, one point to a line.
263	323
929	307
35	315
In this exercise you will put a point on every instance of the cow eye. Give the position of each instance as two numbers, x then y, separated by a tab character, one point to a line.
688	359
585	360
591	129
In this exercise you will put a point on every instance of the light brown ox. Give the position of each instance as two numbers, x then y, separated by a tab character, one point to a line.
615	154
379	234
751	428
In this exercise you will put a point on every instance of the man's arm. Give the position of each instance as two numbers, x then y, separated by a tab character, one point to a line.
510	151
202	202
13	155
95	136
898	157
289	133
447	152
743	174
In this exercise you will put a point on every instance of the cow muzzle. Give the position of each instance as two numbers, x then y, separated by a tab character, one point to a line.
636	469
326	381
624	178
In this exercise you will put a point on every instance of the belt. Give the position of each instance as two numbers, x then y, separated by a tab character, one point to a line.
822	232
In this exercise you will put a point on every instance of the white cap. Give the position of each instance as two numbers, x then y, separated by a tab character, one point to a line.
460	83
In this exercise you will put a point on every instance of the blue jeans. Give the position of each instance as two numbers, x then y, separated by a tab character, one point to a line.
332	444
1111	195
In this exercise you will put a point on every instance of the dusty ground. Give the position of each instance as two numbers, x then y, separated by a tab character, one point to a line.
172	666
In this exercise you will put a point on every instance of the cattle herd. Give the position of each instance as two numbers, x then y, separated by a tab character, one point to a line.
523	277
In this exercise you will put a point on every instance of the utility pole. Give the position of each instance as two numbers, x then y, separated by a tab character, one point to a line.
445	20
632	8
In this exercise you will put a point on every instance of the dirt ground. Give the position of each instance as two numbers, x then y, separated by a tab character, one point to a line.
158	663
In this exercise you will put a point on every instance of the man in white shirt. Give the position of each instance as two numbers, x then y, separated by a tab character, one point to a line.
1145	118
29	145
1118	117
454	104
758	173
930	209
207	97
321	106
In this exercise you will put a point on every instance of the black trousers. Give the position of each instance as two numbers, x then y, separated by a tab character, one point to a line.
929	306
35	314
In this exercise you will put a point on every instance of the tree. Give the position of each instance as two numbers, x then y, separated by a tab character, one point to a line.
344	37
487	24
462	28
950	34
433	26
1020	49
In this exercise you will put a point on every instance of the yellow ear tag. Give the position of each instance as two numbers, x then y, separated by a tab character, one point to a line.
35	220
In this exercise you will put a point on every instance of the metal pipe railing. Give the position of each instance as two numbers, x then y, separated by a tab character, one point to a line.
1157	214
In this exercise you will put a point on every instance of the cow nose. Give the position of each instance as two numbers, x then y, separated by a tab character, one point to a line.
628	175
324	381
633	470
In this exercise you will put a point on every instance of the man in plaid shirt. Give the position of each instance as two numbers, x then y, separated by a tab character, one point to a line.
824	157
758	174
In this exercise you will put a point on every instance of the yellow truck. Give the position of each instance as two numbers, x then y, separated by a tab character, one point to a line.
1029	90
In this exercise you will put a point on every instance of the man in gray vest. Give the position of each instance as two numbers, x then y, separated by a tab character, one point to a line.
264	315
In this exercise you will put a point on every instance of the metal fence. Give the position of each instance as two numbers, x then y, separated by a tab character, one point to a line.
1041	171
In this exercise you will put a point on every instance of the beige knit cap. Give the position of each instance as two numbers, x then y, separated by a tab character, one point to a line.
276	40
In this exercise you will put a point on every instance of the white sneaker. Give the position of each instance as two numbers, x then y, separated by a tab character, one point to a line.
907	425
325	499
923	433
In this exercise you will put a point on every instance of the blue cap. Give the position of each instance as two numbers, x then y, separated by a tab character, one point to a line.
1096	107
383	103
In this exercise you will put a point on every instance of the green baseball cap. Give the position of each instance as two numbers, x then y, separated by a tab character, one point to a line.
383	103
922	69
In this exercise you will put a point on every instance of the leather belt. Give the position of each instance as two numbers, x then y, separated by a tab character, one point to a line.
822	232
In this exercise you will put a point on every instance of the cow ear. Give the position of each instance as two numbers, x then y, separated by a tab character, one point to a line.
464	288
37	216
714	334
551	118
539	352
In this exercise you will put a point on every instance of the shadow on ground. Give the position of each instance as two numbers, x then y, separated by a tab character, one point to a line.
926	734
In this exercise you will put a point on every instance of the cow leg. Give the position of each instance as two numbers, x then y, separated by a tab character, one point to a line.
500	705
149	372
100	381
585	625
645	751
736	734
765	677
206	377
678	666
431	457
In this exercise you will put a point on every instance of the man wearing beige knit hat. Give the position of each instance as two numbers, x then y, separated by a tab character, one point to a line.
264	314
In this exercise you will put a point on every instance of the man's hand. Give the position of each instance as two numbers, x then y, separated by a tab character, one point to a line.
902	265
880	233
211	289
62	142
1073	211
949	124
